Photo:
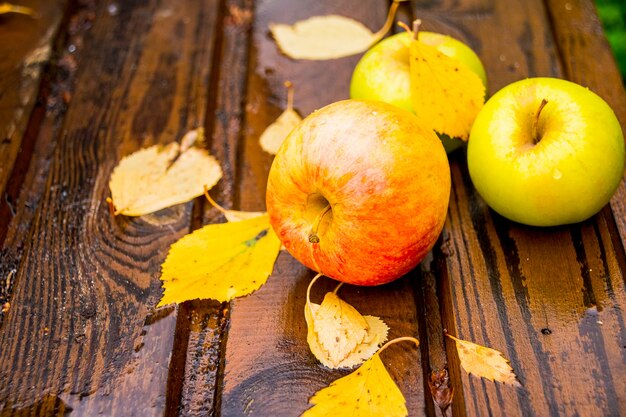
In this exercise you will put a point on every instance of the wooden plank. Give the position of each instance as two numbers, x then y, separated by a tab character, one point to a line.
268	367
26	48
81	333
547	298
27	43
588	60
204	322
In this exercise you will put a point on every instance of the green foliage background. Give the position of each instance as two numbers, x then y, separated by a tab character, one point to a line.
613	16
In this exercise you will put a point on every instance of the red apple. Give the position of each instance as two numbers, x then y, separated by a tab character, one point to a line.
359	191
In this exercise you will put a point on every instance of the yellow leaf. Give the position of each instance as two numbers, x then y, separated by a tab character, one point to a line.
369	391
338	335
445	93
12	8
220	261
232	215
157	177
274	135
328	37
484	362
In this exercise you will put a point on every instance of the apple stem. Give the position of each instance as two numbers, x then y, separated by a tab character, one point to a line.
313	236
289	86
416	27
535	135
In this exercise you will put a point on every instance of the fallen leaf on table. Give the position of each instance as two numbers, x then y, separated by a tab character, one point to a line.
220	261
338	335
157	177
445	93
274	135
232	215
484	362
369	391
12	8
328	37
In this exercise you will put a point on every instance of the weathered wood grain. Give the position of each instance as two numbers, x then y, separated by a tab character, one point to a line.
203	322
27	43
588	60
26	48
547	298
268	367
81	333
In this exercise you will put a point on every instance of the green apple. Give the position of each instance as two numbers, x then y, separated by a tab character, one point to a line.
383	73
546	152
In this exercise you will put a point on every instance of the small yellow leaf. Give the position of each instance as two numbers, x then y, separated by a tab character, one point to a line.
369	391
220	261
328	37
484	362
12	8
232	215
445	93
157	177
338	335
275	134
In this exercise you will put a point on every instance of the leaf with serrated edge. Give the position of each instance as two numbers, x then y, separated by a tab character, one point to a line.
220	261
339	336
445	93
369	391
157	177
484	362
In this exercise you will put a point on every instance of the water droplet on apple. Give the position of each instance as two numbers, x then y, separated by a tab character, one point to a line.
374	113
556	174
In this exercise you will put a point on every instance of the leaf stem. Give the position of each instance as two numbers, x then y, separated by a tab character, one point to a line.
313	236
397	340
289	86
112	210
213	202
308	290
390	16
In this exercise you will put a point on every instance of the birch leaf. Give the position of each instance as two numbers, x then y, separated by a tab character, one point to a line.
328	37
484	362
220	261
157	177
274	135
369	391
13	8
445	93
232	215
338	335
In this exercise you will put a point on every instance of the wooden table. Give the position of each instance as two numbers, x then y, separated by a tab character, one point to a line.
90	81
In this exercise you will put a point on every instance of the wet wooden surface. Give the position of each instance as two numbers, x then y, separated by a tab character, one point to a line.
88	82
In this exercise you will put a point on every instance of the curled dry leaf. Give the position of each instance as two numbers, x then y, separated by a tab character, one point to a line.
220	261
369	391
13	8
275	134
445	93
328	37
157	177
484	362
338	335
